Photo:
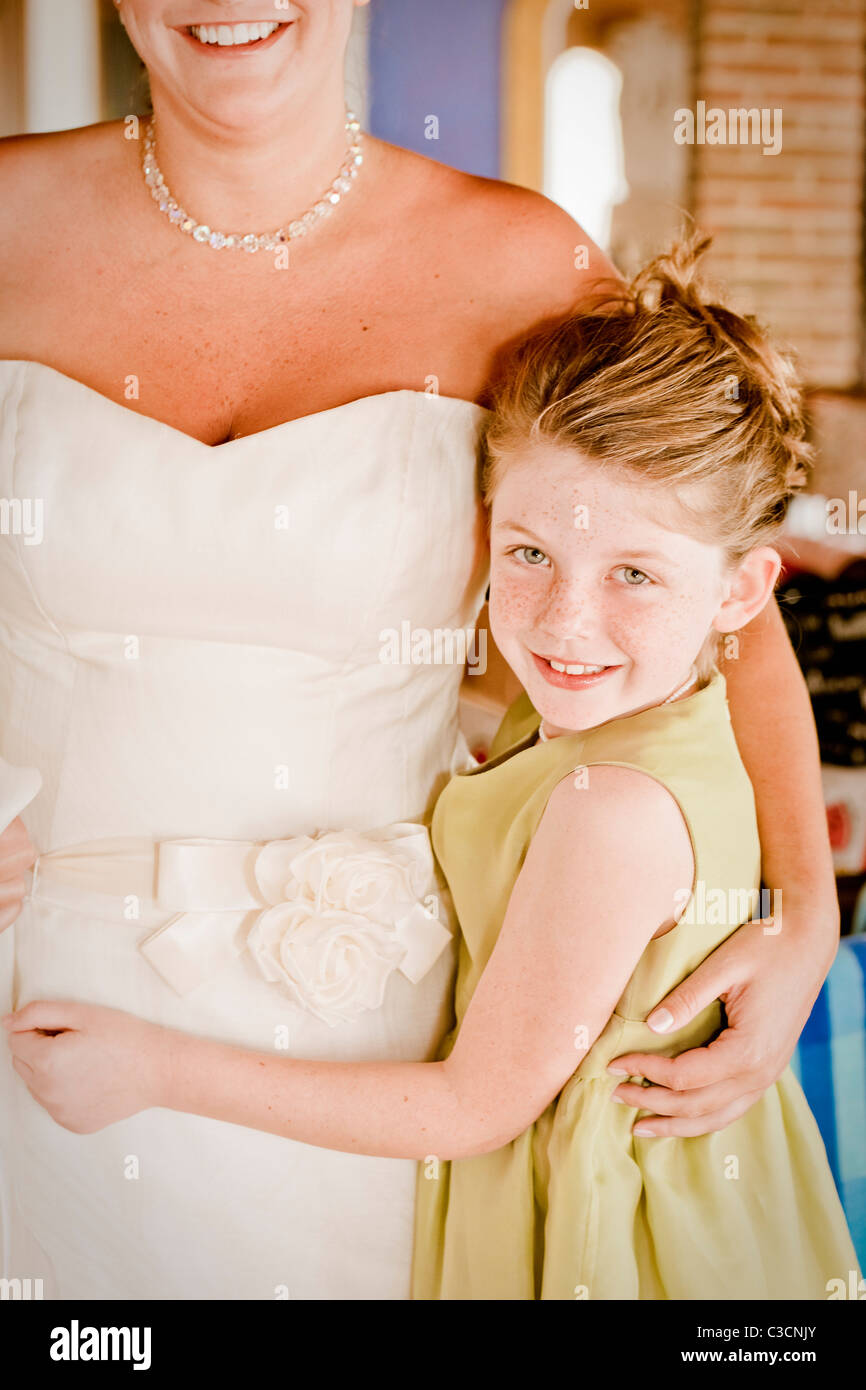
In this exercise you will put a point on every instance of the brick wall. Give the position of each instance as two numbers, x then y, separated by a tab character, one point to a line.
789	226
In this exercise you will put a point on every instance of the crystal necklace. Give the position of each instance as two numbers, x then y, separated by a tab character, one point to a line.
238	241
680	690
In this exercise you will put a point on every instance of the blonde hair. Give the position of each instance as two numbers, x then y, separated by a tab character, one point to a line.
661	383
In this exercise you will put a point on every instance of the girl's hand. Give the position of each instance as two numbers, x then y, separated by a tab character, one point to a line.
17	855
768	981
87	1066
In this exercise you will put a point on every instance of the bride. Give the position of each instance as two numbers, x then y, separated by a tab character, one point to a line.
250	465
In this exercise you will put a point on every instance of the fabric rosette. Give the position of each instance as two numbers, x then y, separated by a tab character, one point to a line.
345	911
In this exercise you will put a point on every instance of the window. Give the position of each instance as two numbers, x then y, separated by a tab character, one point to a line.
584	170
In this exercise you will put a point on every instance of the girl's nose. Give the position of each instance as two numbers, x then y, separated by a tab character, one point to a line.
569	611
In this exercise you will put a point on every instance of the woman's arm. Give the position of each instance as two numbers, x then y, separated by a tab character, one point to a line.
598	881
767	975
775	731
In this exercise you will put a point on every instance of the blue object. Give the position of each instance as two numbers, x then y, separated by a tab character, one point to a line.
435	70
830	1062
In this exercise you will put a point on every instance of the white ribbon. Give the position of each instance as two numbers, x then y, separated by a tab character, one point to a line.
335	914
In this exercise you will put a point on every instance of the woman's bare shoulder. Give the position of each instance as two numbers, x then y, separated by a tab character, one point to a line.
533	253
28	165
36	157
526	257
40	174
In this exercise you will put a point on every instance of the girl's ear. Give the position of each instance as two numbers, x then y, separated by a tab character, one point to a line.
751	586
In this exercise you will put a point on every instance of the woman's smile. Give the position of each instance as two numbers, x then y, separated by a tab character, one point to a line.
233	40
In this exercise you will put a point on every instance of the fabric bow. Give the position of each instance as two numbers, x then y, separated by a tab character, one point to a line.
327	917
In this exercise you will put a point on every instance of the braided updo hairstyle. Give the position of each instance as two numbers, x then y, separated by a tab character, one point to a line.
661	383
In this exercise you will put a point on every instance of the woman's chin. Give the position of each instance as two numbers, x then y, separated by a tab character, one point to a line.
237	109
235	87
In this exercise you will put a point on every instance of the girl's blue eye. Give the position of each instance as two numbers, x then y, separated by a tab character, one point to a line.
634	577
532	554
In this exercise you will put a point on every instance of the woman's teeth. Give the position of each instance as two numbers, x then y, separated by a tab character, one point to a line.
576	670
229	34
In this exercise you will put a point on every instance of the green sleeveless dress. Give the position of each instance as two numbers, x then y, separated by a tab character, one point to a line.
576	1206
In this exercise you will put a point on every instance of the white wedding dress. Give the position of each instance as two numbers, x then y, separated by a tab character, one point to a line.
190	646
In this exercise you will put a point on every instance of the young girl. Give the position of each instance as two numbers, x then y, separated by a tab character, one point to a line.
639	462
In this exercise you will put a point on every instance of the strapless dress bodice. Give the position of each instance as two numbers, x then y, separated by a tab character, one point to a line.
193	645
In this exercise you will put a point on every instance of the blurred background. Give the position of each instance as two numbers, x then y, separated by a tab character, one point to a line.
749	115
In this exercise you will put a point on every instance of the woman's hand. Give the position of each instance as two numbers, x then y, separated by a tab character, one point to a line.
87	1066
768	980
17	855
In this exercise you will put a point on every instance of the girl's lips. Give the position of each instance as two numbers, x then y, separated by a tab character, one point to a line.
241	50
565	682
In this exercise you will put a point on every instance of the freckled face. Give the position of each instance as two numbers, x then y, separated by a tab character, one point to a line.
583	572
